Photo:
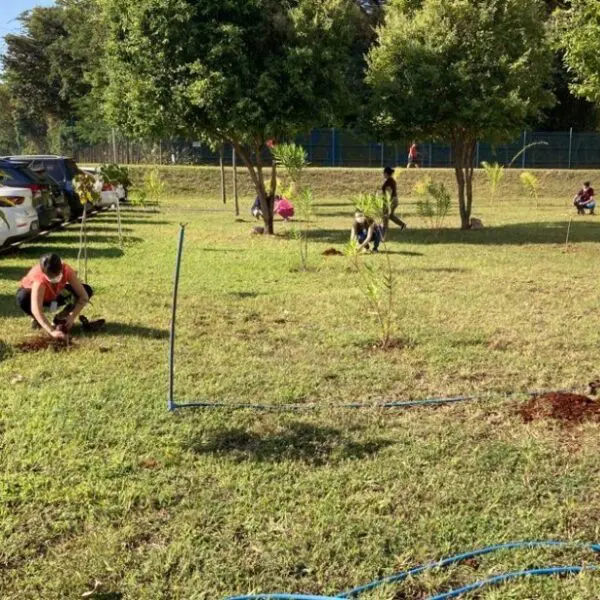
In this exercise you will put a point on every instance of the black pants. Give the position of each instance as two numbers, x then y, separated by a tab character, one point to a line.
66	297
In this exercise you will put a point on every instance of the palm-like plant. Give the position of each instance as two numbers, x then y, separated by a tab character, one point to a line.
495	173
532	186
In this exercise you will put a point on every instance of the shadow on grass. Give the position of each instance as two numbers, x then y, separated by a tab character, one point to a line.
126	330
8	305
300	442
219	250
244	295
5	350
129	221
517	234
440	269
92	228
92	239
68	253
13	273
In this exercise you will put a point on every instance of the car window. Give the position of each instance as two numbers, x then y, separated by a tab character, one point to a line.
71	168
56	169
14	177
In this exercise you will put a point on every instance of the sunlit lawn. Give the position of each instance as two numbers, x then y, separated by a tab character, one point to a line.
100	482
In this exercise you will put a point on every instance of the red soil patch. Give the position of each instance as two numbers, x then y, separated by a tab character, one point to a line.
332	252
568	408
43	342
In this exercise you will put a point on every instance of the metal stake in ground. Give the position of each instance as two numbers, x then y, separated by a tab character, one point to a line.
171	398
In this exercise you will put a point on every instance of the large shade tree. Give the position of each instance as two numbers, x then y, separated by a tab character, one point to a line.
237	71
49	67
460	71
579	36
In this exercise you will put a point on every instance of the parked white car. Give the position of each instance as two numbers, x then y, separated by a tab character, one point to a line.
16	206
109	194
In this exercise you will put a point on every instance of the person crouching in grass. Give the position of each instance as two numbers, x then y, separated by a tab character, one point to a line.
53	284
366	231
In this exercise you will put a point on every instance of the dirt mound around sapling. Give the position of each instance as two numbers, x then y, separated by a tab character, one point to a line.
332	252
42	342
564	407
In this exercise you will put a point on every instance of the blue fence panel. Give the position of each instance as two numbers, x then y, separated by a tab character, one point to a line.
342	148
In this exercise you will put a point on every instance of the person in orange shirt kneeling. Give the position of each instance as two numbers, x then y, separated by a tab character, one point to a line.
53	284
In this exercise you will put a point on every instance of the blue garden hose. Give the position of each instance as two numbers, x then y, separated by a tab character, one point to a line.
446	562
514	575
495	580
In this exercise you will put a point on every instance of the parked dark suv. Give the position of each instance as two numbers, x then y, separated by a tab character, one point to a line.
18	175
62	170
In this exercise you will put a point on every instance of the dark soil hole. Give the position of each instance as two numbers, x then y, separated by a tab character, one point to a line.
41	342
565	407
332	252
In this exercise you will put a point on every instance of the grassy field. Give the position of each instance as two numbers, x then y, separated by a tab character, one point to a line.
101	484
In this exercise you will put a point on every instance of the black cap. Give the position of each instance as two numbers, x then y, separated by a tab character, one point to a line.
51	264
388	171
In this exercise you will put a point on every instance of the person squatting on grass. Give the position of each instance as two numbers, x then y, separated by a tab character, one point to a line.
364	231
391	202
584	200
282	207
52	284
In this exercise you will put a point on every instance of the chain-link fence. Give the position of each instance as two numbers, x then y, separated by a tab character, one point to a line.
340	148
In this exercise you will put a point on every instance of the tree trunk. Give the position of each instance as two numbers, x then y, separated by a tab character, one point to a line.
267	201
256	174
222	166
463	150
235	182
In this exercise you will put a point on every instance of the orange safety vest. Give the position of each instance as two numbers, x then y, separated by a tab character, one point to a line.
51	290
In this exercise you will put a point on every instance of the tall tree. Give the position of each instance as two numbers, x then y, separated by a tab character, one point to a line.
50	66
578	34
460	71
237	71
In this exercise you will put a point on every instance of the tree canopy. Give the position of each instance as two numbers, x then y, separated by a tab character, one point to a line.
237	71
579	36
459	71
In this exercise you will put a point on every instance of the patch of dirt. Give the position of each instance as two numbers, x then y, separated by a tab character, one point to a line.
564	407
43	342
332	252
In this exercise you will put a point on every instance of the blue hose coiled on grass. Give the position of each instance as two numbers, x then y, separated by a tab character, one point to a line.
495	580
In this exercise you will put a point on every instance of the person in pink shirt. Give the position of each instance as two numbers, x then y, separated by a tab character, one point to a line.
284	208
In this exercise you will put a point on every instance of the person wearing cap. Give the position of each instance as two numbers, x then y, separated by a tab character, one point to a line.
365	231
390	192
53	284
585	200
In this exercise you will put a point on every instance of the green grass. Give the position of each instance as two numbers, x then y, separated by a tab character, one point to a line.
99	482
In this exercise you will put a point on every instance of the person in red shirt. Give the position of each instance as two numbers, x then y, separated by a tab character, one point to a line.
413	156
584	200
52	284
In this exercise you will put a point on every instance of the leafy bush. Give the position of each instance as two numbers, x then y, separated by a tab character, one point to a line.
116	175
378	285
532	186
434	202
495	174
370	205
85	187
293	159
151	191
